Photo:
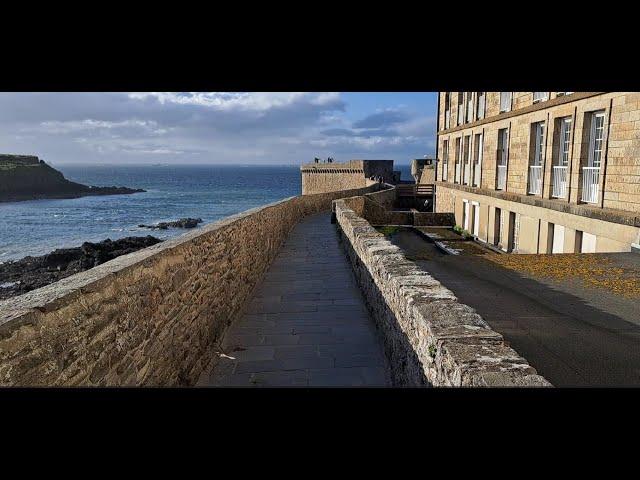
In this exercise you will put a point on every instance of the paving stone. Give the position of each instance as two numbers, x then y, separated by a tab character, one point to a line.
303	363
283	378
307	324
337	377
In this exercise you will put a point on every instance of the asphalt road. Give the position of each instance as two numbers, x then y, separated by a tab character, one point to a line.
572	335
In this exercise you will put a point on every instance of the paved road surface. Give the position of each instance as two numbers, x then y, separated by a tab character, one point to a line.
572	339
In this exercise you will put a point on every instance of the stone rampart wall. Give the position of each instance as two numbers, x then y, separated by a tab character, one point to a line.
429	337
152	317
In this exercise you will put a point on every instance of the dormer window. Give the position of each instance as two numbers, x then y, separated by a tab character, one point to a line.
540	96
505	101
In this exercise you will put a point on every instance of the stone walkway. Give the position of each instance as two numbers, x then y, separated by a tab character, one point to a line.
307	324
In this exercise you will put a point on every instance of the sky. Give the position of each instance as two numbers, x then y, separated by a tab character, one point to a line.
223	128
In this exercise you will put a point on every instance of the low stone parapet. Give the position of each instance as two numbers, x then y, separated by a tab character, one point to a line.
430	337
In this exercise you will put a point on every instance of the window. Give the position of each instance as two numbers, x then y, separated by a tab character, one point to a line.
596	139
467	159
591	172
557	242
458	153
447	109
469	107
502	158
505	101
497	226
477	157
540	96
460	108
465	214
537	158
445	159
538	143
475	219
588	243
560	94
480	103
565	142
559	172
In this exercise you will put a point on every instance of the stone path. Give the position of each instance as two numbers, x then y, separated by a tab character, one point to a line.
307	324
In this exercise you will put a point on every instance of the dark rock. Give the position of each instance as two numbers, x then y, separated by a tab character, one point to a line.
28	178
182	223
30	273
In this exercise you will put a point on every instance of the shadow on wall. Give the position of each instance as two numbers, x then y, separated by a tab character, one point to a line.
377	209
405	366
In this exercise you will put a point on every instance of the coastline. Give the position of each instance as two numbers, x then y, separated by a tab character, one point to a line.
63	196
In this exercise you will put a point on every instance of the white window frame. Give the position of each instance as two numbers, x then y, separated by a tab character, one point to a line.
461	108
506	100
475	214
481	98
458	160
503	140
465	177
447	109
445	159
469	107
593	139
540	97
564	142
465	214
589	243
538	154
478	147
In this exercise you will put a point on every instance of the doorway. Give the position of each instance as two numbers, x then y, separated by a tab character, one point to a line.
476	218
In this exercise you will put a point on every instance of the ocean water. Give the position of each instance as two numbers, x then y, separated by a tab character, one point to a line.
210	192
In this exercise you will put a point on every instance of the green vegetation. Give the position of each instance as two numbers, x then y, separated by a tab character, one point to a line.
432	350
388	230
462	232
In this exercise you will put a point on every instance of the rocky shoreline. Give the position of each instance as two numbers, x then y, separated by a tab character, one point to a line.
29	273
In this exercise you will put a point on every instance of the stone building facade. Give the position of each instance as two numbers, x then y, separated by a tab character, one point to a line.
542	172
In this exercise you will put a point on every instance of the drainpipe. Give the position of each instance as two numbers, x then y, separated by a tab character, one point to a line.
433	201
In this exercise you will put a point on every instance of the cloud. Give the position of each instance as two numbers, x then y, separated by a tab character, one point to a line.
382	119
289	127
339	132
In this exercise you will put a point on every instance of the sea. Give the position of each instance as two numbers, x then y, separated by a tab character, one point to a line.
210	192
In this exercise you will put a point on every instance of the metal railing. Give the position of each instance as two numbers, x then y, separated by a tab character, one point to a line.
414	190
535	179
476	175
590	178
502	177
559	181
456	177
